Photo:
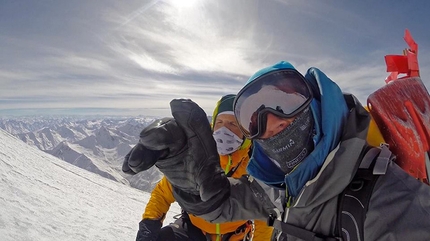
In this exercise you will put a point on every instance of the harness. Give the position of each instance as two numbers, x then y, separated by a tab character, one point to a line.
247	228
353	201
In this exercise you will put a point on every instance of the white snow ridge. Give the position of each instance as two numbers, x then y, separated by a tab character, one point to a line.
45	198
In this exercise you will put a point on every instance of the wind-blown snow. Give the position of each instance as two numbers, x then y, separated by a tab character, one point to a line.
45	198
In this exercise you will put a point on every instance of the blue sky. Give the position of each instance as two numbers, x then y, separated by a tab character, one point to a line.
133	57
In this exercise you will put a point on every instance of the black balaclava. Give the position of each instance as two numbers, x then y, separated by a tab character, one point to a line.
289	147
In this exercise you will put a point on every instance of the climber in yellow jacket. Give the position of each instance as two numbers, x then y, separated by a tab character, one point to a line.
233	150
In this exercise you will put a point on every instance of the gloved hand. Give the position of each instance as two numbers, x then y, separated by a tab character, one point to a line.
148	230
141	158
185	152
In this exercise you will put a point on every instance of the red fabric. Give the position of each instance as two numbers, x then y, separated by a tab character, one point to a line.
404	64
401	110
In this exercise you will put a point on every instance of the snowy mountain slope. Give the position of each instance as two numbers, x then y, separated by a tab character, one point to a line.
44	139
95	144
45	198
73	154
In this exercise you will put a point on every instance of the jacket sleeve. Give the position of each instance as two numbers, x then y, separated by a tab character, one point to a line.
399	208
160	201
247	200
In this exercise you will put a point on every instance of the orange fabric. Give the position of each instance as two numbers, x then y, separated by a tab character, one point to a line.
262	231
160	201
236	157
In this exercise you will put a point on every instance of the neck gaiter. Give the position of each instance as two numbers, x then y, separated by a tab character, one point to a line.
289	147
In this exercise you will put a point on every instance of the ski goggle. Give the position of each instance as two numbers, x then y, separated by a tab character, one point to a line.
284	93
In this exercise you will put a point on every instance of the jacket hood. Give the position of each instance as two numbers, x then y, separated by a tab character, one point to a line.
277	66
329	110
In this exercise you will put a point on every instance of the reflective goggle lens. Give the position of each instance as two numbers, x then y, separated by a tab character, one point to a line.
284	93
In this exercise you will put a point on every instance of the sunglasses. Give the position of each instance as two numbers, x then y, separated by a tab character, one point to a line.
284	93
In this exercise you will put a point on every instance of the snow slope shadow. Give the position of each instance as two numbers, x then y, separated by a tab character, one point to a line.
45	198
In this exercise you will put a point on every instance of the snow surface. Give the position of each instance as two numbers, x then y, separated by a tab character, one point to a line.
45	198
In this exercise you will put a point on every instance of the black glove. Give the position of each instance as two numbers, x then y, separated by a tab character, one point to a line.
148	230
125	167
141	158
194	168
187	155
164	131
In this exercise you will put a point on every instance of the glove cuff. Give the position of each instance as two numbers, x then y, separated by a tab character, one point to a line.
148	230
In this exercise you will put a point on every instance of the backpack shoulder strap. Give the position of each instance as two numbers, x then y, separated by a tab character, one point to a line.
354	200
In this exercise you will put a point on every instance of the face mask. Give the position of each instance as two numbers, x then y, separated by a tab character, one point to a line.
289	147
226	141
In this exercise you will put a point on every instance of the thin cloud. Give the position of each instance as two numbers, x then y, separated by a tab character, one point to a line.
140	55
183	40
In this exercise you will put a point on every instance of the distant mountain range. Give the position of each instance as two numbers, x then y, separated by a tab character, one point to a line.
95	144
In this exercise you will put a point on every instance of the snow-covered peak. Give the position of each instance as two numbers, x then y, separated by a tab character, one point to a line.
106	138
